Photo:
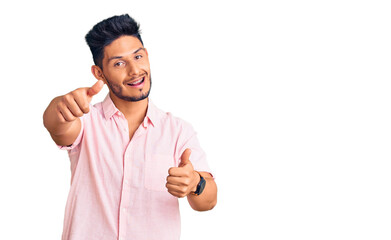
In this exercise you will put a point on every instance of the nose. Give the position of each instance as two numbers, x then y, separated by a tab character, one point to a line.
133	69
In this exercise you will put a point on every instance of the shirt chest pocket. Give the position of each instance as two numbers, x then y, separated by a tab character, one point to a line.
156	171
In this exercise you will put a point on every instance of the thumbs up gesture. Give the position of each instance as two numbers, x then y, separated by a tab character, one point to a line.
76	103
182	180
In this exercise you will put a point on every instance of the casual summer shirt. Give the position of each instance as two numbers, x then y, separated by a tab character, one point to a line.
118	184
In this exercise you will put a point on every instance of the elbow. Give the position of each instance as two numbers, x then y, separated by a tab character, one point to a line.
210	206
204	207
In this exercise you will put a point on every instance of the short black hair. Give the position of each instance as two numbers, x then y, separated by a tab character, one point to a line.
108	30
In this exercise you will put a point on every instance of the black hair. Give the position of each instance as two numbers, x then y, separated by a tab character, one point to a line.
108	30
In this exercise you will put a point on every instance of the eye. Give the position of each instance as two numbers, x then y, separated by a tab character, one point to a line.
119	64
138	56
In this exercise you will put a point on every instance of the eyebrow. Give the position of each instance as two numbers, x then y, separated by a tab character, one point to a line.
117	57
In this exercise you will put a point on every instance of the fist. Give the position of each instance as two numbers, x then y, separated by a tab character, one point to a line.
182	180
76	103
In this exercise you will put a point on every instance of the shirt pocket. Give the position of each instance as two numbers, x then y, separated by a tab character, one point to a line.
156	171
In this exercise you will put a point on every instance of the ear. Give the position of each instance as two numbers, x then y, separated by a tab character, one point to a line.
146	51
98	73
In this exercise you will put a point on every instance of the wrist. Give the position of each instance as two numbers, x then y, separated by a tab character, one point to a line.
197	178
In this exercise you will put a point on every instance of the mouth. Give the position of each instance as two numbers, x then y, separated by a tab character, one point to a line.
137	83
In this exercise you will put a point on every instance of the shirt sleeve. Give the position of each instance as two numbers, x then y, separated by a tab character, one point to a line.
78	139
188	139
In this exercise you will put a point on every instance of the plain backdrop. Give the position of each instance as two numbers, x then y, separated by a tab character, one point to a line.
290	99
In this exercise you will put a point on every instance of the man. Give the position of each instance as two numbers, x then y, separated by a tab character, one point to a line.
130	161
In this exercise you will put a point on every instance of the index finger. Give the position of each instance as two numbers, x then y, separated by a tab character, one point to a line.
95	89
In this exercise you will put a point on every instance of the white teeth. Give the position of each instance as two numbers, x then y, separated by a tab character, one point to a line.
139	81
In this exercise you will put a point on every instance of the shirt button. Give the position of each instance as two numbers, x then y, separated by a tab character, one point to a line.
124	209
126	182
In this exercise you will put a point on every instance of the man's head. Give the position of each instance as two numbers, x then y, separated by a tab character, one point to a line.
120	58
108	30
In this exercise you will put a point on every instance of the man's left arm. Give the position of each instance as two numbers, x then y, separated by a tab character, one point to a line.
183	180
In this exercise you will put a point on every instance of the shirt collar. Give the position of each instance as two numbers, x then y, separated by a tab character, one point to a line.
151	115
109	109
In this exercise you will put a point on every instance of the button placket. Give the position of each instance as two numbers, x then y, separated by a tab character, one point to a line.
125	191
126	198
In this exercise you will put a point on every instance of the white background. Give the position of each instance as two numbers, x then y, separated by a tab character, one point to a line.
291	101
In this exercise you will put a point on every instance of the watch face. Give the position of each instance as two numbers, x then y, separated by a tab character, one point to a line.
201	186
203	183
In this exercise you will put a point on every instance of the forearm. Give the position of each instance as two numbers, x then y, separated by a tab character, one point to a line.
208	198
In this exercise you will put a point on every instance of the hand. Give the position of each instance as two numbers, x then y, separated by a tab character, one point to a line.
182	180
76	103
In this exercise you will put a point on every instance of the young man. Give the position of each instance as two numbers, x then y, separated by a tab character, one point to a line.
130	161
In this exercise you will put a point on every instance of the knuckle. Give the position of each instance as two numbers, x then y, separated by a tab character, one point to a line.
62	100
62	109
76	91
59	106
187	182
71	117
66	99
62	119
73	93
85	108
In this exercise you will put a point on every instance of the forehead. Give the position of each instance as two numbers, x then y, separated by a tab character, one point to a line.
122	46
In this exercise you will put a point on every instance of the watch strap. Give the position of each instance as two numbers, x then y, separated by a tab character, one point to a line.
200	186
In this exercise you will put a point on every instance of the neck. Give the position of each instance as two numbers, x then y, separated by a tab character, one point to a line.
134	111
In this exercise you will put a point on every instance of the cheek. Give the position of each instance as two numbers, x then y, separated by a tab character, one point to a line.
116	88
117	75
145	66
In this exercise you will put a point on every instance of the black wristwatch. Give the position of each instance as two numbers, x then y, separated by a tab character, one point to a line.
200	186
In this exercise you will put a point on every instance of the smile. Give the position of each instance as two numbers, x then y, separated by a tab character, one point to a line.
137	83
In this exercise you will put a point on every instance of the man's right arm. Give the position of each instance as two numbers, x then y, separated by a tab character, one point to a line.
62	117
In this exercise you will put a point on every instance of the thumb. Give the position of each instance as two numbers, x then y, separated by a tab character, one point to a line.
185	158
95	89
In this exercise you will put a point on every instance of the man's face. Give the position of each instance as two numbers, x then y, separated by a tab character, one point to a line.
126	69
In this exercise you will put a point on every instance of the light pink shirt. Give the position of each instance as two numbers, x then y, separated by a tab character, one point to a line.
118	185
